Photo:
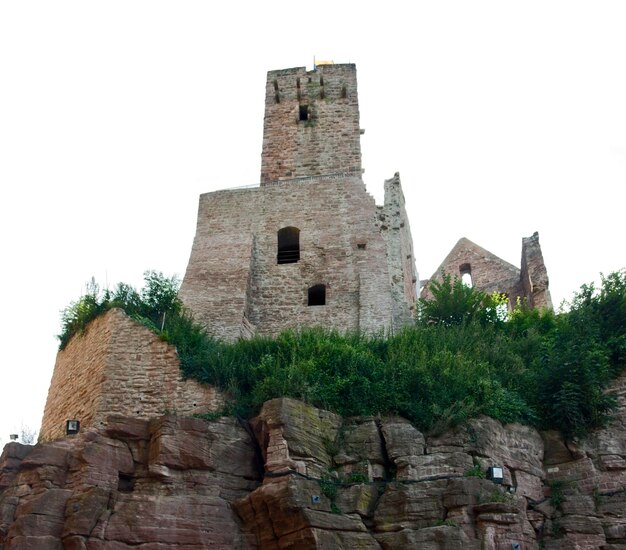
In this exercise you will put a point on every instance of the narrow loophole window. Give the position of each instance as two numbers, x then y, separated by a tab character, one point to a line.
304	112
317	295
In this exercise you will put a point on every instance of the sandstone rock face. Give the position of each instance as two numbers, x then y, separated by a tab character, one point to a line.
379	483
163	483
302	478
587	483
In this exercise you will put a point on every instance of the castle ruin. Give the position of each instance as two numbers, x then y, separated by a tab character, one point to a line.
488	273
308	246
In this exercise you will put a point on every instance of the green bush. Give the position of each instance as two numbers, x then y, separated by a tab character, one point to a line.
475	471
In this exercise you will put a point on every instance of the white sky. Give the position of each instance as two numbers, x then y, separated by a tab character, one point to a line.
503	118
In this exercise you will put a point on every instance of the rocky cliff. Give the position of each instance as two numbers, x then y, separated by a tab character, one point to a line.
299	477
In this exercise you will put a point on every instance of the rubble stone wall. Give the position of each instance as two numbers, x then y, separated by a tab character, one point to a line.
119	367
76	387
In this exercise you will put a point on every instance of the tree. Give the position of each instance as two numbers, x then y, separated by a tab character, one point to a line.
454	303
160	296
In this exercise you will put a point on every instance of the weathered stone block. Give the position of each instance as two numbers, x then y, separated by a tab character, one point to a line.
432	466
430	538
410	506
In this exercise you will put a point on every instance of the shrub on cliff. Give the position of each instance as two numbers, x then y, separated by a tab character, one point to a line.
150	306
455	303
460	360
578	355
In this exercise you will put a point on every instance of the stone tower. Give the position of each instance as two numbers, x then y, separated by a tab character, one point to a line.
311	125
308	246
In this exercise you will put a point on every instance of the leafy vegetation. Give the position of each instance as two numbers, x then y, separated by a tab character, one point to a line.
556	494
155	304
455	303
475	471
462	357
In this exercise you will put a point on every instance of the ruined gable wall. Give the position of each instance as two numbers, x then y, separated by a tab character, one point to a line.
489	273
396	231
329	141
119	367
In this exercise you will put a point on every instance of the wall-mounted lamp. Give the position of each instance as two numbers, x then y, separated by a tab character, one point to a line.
495	474
72	427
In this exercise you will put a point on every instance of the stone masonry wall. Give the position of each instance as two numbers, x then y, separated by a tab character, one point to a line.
534	273
489	273
233	273
394	226
328	140
119	367
492	274
76	387
216	282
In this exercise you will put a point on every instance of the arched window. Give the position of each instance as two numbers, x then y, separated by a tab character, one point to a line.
466	274
317	295
288	245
